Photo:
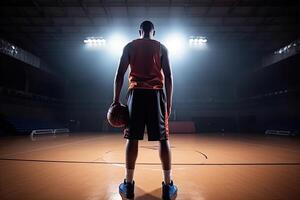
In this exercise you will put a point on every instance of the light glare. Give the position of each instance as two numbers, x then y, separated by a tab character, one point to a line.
116	43
176	44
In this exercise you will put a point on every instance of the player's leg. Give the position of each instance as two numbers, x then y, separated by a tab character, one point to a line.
158	130
169	190
131	156
134	131
126	188
165	157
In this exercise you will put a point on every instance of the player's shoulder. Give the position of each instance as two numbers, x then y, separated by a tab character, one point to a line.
132	44
128	46
163	48
141	40
155	41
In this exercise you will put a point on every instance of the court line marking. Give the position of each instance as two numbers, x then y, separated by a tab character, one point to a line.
178	164
51	147
197	151
203	154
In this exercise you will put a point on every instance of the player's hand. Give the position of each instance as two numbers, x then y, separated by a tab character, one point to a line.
115	103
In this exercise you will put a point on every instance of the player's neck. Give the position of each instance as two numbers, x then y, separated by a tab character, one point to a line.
147	37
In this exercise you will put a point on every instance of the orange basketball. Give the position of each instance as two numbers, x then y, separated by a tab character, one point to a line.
117	115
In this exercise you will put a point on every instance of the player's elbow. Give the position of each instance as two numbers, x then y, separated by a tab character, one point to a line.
119	77
168	77
169	80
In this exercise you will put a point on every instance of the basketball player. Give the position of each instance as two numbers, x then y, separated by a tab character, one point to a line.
147	104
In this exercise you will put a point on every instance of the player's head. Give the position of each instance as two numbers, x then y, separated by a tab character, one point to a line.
147	29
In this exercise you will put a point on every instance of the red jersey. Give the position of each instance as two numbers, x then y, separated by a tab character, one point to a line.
145	64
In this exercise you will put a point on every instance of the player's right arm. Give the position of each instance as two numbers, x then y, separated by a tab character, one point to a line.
168	77
119	77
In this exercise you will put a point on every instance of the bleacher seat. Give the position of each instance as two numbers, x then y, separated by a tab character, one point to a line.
26	125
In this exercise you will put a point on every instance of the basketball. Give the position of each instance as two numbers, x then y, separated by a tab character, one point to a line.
117	115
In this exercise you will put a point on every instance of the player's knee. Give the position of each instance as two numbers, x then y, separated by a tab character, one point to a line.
132	142
164	143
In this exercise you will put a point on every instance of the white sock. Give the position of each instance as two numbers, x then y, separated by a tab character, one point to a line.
167	176
129	175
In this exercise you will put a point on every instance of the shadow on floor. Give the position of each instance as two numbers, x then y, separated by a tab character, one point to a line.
142	195
153	195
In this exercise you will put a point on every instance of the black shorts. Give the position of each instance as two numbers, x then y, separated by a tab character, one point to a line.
147	108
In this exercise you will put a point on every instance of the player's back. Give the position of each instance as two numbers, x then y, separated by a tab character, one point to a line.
145	64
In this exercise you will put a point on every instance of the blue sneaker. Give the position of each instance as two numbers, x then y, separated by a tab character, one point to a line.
169	191
126	190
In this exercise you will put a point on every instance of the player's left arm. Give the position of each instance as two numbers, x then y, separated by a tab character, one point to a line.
168	77
119	77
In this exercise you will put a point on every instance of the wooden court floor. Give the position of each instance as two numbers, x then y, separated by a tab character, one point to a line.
205	167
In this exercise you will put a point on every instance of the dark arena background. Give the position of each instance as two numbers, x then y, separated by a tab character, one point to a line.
235	121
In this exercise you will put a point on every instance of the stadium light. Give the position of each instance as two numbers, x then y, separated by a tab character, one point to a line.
116	43
197	41
176	43
94	42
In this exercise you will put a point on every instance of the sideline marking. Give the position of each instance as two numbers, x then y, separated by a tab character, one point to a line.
122	163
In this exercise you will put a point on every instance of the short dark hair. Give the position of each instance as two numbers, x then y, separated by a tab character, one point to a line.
147	26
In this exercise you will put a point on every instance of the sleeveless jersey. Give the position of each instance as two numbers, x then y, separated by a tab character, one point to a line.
145	65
